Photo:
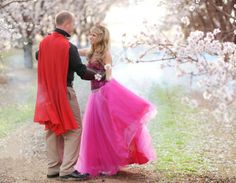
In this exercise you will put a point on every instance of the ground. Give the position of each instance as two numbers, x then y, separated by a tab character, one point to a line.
23	160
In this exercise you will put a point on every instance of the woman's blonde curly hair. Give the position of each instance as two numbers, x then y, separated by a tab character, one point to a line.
99	49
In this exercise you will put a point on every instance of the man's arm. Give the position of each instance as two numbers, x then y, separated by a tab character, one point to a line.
37	54
78	66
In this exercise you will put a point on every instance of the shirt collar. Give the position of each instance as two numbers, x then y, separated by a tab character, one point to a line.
60	31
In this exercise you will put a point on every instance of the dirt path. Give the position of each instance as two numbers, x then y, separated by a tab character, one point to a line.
23	160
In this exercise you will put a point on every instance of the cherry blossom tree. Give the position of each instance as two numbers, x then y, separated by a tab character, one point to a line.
208	60
89	14
23	20
5	3
204	15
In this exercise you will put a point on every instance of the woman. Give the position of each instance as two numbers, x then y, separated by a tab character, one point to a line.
114	132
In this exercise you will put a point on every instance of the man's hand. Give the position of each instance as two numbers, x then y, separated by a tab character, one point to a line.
91	74
100	76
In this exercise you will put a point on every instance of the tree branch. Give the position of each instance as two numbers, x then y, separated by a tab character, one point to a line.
2	5
221	11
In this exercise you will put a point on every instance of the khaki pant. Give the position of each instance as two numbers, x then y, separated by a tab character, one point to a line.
63	150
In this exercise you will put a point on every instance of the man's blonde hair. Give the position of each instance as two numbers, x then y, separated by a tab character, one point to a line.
63	16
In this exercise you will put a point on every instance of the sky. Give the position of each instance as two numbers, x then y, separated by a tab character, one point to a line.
129	19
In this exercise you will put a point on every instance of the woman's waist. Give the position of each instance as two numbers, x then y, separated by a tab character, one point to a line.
97	84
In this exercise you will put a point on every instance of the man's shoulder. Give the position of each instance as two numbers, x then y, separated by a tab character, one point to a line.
73	49
46	38
72	46
55	39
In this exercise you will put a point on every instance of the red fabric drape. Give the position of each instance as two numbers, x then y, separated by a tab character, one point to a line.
52	106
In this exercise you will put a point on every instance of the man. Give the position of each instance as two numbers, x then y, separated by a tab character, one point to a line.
56	104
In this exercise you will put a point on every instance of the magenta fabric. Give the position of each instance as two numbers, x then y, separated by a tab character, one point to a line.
114	130
99	67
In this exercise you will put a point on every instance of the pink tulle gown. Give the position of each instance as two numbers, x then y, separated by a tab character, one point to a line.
114	131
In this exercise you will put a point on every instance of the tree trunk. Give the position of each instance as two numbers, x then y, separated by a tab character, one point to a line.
28	58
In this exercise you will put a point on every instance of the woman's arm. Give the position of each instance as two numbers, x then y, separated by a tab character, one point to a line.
107	66
83	52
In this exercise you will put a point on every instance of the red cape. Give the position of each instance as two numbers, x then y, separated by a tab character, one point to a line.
52	106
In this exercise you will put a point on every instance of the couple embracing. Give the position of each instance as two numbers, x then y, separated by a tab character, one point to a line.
113	131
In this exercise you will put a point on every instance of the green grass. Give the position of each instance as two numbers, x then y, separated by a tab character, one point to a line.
7	53
175	133
15	51
13	116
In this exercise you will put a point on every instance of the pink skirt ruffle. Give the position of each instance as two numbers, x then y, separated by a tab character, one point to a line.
114	131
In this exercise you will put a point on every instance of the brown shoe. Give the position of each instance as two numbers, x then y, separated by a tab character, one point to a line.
53	176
